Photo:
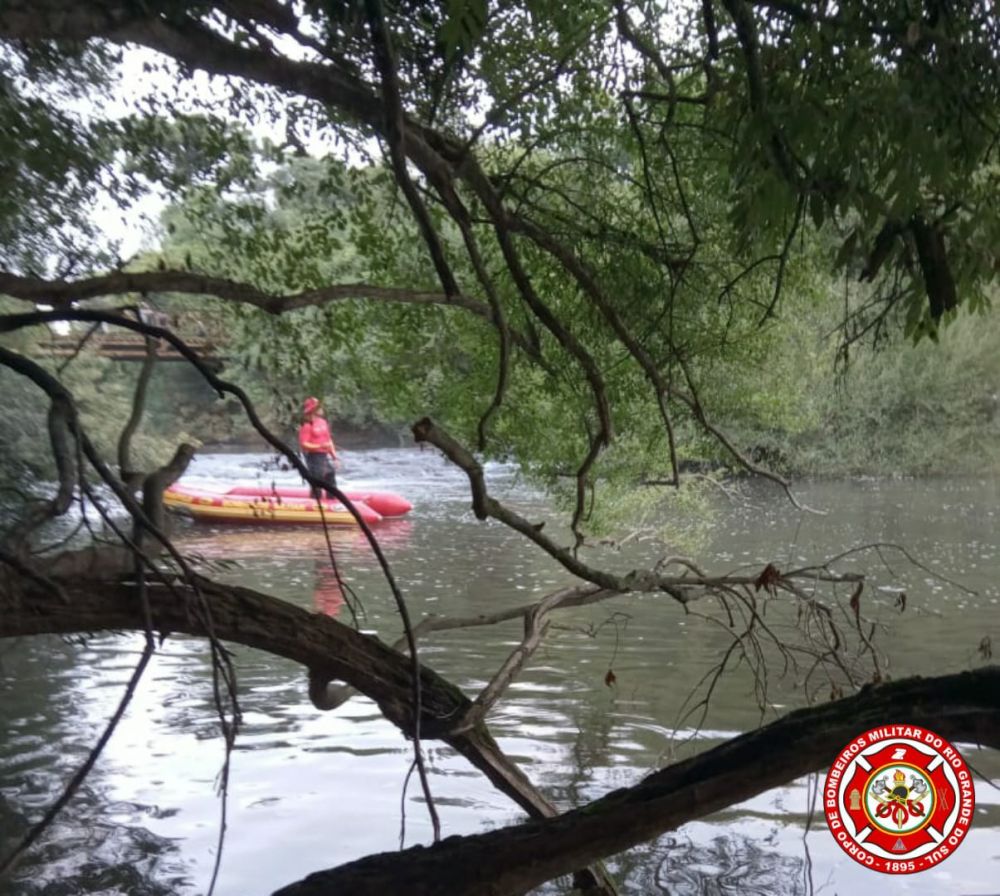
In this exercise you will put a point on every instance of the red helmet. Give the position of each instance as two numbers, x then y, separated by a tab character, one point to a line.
310	405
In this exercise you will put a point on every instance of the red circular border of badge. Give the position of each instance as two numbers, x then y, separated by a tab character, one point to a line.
943	781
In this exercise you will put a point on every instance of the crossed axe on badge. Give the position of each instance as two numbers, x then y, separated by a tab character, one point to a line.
899	801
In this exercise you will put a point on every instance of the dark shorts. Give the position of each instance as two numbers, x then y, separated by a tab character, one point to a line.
321	466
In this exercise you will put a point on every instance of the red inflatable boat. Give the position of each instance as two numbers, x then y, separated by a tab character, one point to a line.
383	503
257	504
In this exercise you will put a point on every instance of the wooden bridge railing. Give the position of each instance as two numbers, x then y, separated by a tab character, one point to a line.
122	348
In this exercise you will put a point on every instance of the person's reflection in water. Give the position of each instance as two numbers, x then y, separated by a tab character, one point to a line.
328	597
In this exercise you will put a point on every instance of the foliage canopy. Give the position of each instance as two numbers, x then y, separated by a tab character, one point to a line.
562	230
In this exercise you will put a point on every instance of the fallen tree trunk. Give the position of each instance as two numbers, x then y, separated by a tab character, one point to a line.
512	860
324	646
328	649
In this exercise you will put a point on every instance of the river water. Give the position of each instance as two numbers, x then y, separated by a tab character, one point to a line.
311	790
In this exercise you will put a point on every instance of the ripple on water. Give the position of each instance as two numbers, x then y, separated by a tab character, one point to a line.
297	774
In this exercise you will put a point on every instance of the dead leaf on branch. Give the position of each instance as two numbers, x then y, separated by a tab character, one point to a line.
856	602
768	579
986	648
610	679
901	601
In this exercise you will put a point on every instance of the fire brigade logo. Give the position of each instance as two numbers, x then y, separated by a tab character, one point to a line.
899	799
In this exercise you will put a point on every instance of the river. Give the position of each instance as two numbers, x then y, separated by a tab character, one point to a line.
311	790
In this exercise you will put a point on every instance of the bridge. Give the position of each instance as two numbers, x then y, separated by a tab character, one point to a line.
119	347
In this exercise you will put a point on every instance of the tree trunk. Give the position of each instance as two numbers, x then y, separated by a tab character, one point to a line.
327	648
515	859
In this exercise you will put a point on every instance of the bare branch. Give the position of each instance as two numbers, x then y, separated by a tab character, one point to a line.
502	225
9	862
395	133
65	293
878	546
62	440
100	601
156	483
329	649
535	627
80	345
683	589
125	471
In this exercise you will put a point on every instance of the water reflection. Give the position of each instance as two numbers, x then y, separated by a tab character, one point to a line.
726	866
328	593
235	542
123	858
301	553
55	696
298	775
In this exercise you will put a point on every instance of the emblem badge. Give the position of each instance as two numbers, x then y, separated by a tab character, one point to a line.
899	799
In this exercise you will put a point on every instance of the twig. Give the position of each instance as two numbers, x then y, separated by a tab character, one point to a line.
9	863
884	545
346	592
138	408
91	330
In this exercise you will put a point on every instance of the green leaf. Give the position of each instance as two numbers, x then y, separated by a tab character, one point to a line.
463	26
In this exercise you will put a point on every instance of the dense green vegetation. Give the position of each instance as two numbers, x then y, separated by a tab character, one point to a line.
794	391
784	389
788	389
657	200
615	240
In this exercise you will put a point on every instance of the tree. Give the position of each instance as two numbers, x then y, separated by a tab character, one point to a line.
595	204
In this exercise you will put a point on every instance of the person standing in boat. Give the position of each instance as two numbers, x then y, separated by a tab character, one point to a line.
317	445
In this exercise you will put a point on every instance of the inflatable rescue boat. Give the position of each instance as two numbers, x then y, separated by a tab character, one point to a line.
295	505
